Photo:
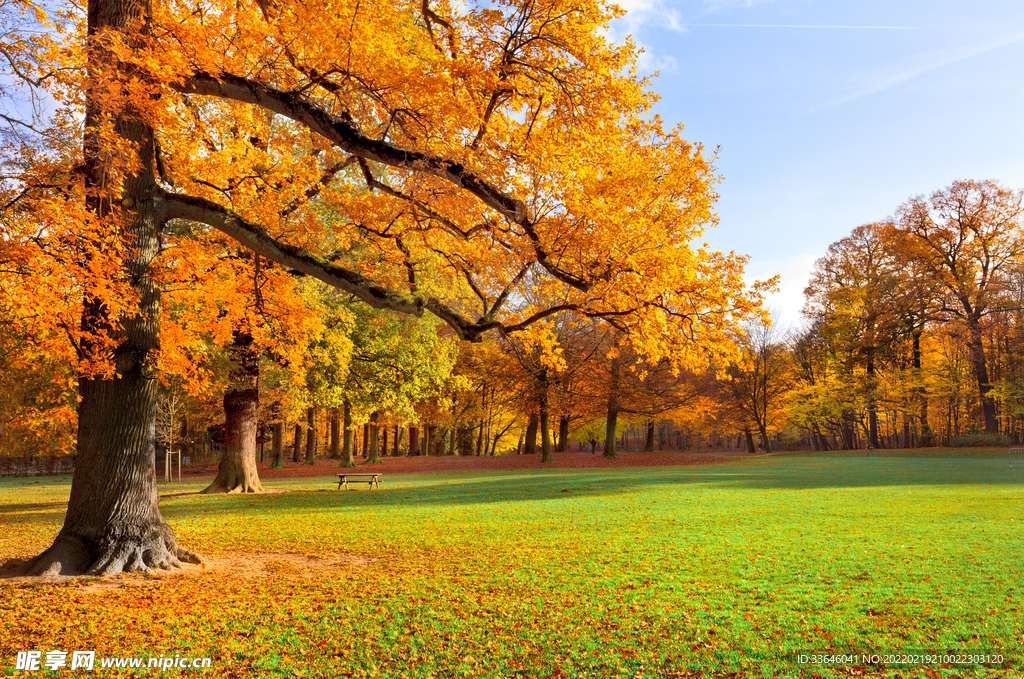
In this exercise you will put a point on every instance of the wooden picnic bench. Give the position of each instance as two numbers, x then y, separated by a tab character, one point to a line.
371	479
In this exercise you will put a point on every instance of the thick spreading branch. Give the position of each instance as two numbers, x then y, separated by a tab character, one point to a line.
347	136
259	240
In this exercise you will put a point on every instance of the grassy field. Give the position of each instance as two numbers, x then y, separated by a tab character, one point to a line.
726	570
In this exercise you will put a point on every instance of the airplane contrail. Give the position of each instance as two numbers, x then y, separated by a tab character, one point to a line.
882	28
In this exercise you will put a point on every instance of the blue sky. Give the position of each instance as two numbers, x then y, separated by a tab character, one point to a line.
822	128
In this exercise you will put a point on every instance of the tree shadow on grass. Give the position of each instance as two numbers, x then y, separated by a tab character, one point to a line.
561	485
423	490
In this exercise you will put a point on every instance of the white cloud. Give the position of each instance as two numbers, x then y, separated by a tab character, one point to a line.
922	64
643	13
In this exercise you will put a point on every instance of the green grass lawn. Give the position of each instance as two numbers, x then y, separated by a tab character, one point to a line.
716	571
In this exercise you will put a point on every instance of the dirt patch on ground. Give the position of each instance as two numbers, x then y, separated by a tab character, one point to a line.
450	463
242	565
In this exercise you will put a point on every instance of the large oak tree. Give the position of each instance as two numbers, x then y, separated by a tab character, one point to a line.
481	146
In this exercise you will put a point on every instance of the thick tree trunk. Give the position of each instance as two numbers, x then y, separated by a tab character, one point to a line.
649	443
348	458
311	436
531	436
373	431
113	521
978	362
430	439
563	434
237	472
277	447
763	431
751	448
414	441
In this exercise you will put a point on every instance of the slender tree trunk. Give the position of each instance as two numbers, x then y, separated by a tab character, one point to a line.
335	434
545	430
373	431
927	438
384	441
277	447
311	436
297	444
398	439
763	431
612	416
237	472
348	458
531	436
113	521
872	402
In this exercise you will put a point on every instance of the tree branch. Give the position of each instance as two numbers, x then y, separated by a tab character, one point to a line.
347	136
259	240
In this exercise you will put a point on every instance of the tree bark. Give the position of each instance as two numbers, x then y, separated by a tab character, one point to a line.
649	443
237	472
563	434
311	436
113	521
927	439
531	436
430	439
277	451
763	431
414	441
980	365
373	431
612	415
545	429
335	434
872	402
297	444
347	453
751	448
480	440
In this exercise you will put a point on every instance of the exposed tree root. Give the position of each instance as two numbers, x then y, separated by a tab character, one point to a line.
118	551
234	481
